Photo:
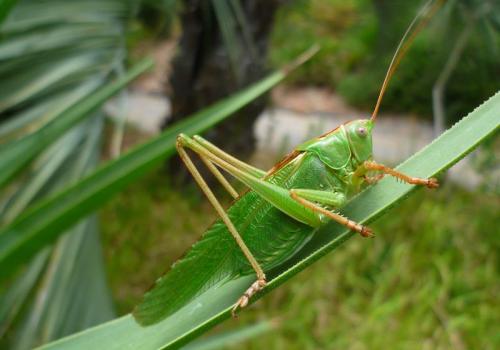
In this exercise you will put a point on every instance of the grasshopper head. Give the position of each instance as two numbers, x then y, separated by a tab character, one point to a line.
359	134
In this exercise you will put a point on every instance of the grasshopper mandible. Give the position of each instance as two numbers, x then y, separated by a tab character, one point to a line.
283	208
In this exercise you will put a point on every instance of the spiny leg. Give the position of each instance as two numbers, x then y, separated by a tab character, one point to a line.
259	283
229	158
328	199
213	169
261	277
274	194
373	179
430	183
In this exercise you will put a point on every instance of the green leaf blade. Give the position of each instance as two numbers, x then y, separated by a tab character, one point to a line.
15	155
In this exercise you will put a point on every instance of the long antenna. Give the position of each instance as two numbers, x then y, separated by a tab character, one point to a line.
418	23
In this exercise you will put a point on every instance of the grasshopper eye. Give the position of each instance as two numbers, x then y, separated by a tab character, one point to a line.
361	132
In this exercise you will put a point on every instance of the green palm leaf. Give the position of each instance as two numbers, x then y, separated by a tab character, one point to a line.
15	155
53	54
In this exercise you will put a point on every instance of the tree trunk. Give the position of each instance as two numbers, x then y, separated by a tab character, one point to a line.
202	71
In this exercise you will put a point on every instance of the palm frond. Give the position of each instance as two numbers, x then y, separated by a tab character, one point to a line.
53	53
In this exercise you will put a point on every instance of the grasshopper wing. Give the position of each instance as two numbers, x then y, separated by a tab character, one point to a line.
216	259
210	262
271	236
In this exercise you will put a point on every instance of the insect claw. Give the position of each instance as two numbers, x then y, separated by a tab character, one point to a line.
432	183
241	303
234	315
366	232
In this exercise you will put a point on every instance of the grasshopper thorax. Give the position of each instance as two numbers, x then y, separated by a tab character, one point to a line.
345	148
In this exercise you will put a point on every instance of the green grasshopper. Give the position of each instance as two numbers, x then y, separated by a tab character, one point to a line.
284	208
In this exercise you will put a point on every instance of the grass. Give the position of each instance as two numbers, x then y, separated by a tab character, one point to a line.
428	280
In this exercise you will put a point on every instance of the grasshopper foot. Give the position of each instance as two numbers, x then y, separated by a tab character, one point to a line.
366	232
245	298
432	183
361	229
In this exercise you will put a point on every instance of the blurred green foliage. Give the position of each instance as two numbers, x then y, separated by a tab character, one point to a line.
357	48
345	30
430	276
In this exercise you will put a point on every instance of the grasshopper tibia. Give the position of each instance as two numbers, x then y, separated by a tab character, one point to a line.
429	183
